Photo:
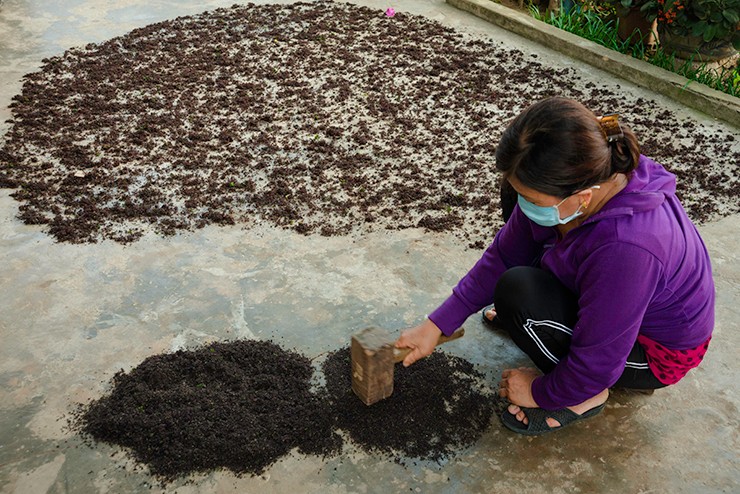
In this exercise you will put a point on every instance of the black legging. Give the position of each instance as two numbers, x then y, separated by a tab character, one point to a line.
539	312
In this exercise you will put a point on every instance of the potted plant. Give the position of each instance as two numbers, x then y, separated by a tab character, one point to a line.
705	29
634	24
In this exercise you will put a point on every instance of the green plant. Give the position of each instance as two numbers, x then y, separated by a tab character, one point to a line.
622	7
716	78
584	22
588	23
627	4
708	19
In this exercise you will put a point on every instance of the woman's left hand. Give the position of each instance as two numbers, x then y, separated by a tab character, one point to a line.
516	385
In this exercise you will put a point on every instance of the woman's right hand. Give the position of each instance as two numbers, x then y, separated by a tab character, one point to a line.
421	339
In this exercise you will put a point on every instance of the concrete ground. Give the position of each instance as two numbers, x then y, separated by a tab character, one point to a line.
72	315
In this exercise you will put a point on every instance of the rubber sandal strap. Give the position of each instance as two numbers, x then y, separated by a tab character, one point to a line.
537	418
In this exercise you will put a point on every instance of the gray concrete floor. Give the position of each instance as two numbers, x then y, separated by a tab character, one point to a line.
72	315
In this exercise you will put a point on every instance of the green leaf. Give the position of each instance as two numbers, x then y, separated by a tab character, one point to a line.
699	29
710	34
736	40
731	16
699	10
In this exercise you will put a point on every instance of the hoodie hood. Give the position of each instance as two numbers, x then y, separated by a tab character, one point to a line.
649	186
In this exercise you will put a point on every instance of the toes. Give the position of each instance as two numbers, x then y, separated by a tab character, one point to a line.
552	423
518	413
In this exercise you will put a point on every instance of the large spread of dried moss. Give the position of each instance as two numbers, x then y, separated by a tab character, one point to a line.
320	117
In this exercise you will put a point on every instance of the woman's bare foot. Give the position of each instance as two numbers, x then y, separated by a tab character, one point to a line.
579	409
490	314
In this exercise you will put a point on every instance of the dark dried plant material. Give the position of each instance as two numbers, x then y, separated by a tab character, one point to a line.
239	405
320	117
243	405
439	406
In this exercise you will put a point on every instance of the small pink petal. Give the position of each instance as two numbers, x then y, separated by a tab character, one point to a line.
390	12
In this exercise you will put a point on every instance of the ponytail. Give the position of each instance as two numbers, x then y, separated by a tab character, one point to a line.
625	152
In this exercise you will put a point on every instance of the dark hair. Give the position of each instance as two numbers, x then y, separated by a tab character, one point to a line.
557	147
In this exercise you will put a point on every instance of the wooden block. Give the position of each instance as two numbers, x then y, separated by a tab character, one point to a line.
372	365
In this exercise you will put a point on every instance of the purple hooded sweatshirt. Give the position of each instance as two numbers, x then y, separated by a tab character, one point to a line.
638	266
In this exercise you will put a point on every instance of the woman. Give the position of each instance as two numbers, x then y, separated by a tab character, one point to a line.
598	274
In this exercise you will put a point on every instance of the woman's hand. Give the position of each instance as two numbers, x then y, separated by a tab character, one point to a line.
421	339
516	385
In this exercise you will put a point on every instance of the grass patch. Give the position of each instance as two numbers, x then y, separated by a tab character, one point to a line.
594	26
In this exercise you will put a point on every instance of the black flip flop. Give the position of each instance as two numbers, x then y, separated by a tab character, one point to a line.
494	323
537	418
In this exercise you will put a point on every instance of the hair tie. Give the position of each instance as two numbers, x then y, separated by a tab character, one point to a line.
610	127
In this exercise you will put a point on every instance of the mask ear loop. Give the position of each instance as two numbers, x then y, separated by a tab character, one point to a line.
610	127
585	204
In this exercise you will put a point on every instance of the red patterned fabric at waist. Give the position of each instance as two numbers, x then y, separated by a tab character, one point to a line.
669	366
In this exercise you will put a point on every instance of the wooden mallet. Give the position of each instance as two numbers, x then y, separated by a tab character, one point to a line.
373	360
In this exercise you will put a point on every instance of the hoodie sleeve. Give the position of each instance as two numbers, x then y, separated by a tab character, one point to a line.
516	244
616	283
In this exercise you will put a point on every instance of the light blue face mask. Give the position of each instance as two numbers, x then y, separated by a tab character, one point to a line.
547	215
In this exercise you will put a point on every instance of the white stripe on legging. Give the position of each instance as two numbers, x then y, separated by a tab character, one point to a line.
637	365
528	328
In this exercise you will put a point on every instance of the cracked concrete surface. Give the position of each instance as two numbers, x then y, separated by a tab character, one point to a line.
73	315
